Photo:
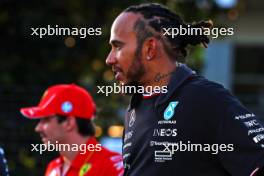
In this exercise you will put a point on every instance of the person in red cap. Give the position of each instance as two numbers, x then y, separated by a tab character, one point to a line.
65	113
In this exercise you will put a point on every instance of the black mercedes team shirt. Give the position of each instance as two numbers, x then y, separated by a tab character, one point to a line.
196	129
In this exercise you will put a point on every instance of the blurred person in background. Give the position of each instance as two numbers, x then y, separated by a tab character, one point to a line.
65	115
228	138
3	164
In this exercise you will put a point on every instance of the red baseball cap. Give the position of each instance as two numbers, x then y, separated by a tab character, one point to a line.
63	99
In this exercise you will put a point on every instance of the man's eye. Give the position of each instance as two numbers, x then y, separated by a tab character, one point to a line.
45	120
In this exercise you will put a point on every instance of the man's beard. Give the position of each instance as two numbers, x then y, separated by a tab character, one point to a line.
136	70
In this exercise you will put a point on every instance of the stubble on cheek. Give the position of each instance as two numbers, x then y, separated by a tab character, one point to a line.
45	126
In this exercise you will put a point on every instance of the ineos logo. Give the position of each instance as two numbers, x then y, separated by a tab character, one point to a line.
165	132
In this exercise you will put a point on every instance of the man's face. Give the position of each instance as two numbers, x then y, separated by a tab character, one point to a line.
125	56
50	130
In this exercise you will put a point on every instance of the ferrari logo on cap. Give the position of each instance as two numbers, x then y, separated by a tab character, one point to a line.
66	107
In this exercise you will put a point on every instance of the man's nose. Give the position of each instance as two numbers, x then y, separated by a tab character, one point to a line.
38	128
111	59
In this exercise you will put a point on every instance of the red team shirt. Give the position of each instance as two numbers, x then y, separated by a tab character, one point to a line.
91	163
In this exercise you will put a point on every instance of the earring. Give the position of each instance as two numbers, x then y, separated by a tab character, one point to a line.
148	57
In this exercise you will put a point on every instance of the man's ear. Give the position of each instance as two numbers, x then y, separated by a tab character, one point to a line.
150	48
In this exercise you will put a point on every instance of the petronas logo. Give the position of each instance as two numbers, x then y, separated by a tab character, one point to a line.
169	112
84	169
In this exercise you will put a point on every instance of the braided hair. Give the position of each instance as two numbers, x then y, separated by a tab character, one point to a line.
157	17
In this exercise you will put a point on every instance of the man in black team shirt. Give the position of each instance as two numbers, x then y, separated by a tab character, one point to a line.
197	128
